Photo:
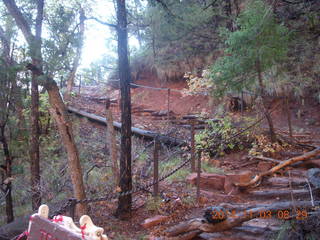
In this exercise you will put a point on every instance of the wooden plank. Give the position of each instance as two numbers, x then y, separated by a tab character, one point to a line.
41	228
136	131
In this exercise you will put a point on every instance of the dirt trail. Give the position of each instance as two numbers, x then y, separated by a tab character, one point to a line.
274	189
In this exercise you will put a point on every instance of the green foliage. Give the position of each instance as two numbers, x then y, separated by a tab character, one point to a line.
260	42
218	138
179	37
63	35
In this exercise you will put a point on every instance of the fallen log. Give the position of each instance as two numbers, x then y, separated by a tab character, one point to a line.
280	194
265	159
150	135
200	225
283	164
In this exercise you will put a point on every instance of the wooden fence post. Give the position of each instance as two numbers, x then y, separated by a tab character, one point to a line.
193	163
80	85
168	106
156	167
288	116
111	142
198	177
242	102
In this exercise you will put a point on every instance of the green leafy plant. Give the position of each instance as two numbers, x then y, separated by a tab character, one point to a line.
217	139
259	44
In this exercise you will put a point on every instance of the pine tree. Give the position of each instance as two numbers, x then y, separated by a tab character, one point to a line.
259	44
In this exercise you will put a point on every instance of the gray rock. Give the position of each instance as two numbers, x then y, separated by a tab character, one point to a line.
314	177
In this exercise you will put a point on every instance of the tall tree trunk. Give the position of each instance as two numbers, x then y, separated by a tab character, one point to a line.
264	104
125	202
59	112
34	145
35	129
228	12
76	61
8	175
111	140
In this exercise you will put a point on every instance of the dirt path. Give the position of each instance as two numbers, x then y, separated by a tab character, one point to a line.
274	189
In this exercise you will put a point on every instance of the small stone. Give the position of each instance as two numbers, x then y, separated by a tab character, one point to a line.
153	221
203	200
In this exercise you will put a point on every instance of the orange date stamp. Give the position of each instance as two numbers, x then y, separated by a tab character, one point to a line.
298	214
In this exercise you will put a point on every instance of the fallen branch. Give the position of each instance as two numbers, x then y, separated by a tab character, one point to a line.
283	164
199	225
265	159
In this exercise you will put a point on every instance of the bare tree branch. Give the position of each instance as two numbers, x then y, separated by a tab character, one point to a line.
102	22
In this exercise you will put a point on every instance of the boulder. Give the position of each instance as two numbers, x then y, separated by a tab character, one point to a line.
240	177
314	177
210	181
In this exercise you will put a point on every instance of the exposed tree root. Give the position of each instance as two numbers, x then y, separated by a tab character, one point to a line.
283	164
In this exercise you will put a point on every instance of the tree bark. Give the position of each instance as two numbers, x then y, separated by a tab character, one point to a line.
34	145
8	175
76	61
35	129
264	104
59	112
58	108
228	12
125	202
111	140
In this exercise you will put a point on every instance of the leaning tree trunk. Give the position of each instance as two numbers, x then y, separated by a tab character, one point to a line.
125	202
59	112
8	175
264	104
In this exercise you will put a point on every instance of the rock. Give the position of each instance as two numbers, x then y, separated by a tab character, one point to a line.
153	221
231	179
314	177
208	180
264	166
203	200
